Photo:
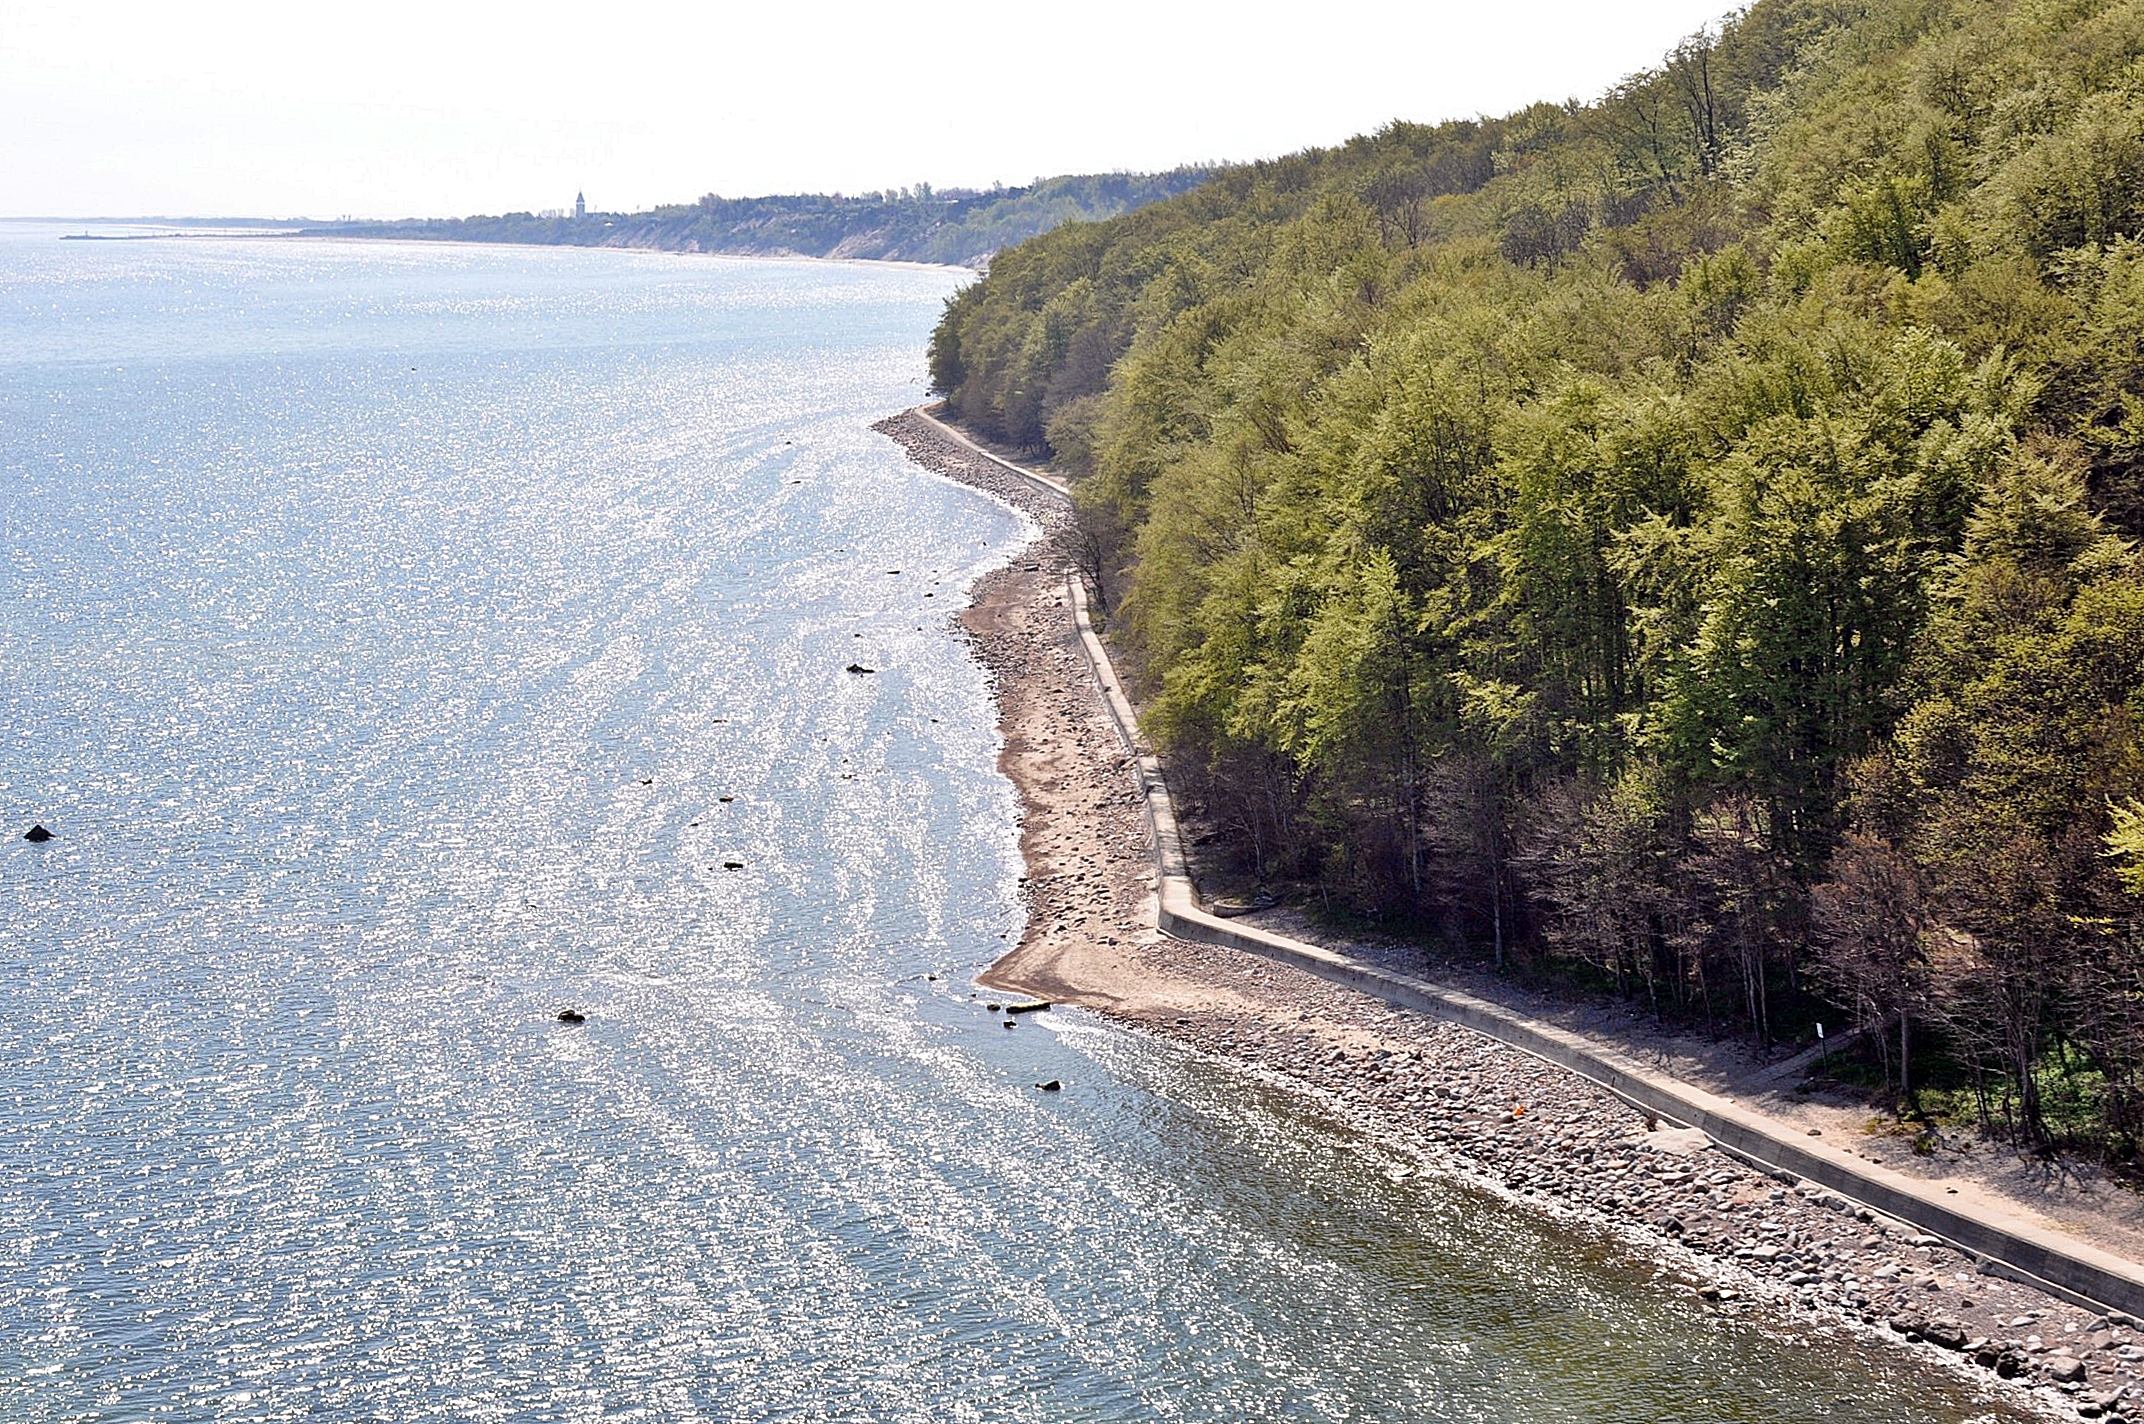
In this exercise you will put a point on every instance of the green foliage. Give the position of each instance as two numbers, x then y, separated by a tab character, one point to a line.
1681	534
2125	843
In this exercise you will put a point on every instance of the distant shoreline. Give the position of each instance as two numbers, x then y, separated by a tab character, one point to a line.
465	244
296	235
960	228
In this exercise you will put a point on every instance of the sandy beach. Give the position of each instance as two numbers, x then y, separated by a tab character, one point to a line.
1443	1097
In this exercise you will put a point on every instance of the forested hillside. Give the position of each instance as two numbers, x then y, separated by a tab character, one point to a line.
959	226
1689	535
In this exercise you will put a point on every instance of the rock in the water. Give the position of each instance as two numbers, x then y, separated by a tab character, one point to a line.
733	865
572	1016
37	835
1945	1332
859	668
1032	1006
1050	1087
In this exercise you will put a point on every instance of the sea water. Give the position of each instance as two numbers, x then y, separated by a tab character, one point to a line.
407	642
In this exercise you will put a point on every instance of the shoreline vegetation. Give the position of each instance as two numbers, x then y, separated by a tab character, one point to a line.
955	226
1683	547
1437	1095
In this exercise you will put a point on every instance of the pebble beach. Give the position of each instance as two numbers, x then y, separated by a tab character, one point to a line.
1441	1098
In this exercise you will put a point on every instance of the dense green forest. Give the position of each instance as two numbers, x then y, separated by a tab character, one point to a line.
958	226
1686	538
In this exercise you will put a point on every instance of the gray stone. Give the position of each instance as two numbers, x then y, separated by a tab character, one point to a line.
2063	1369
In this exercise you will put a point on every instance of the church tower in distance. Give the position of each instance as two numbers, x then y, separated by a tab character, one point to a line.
580	206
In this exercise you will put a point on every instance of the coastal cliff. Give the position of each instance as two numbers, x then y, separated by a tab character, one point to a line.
1682	546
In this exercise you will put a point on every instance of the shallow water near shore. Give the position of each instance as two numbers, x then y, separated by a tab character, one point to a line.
383	630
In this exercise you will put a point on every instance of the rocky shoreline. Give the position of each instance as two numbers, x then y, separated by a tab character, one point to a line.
1453	1101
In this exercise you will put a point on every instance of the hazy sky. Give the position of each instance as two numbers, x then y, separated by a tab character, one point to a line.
408	107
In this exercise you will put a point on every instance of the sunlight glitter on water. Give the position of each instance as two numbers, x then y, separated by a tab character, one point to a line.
383	628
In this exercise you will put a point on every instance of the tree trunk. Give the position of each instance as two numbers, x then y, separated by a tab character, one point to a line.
1496	906
1905	1062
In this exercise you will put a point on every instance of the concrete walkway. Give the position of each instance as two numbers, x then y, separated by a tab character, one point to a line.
2004	1241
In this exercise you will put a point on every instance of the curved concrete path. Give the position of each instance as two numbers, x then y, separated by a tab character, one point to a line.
2005	1243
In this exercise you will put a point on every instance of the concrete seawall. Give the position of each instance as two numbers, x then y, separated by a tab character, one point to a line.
2004	1244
